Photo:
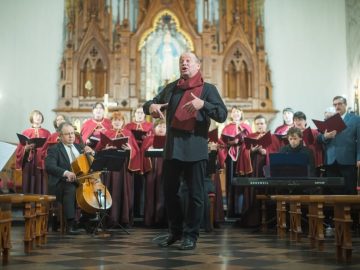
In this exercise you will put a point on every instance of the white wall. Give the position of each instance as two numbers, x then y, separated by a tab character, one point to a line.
306	45
31	49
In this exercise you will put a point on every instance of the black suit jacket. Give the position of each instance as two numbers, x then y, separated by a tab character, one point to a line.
183	145
56	163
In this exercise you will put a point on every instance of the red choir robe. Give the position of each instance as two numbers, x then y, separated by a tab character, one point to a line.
317	149
283	129
238	153
217	198
145	162
259	161
219	215
51	140
154	208
120	182
32	163
91	127
251	207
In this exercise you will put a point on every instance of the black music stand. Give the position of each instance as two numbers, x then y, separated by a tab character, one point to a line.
108	161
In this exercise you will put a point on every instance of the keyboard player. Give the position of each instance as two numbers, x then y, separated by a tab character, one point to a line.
296	146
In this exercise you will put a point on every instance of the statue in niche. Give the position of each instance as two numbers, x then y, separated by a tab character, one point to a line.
167	53
88	87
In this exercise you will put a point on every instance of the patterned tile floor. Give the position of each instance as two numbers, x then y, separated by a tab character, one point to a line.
226	248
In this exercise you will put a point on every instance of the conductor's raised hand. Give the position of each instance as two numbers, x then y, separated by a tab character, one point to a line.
156	110
193	105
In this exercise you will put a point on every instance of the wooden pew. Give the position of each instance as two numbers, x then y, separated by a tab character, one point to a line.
342	219
264	218
5	229
35	215
341	205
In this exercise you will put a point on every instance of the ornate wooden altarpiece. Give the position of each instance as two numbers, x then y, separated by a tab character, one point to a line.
127	50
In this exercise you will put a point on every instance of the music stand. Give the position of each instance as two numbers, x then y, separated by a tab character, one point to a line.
108	161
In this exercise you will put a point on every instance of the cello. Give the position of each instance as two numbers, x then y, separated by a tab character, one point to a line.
91	194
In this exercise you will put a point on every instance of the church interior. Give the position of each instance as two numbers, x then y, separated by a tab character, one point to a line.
64	57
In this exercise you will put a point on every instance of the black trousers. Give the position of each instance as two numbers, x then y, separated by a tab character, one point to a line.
349	174
193	174
66	195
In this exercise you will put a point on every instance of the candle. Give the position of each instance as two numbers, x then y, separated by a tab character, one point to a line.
106	99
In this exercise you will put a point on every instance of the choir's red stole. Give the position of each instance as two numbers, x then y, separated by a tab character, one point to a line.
184	120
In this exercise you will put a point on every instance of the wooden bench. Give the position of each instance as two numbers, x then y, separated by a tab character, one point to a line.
35	218
264	217
5	228
341	205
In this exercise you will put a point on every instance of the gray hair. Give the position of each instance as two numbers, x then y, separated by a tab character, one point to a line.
64	124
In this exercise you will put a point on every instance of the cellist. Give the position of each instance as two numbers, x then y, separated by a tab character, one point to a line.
60	177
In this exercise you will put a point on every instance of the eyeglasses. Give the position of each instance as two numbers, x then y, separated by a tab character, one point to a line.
68	133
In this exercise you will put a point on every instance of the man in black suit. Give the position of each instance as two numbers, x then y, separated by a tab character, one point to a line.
61	180
190	103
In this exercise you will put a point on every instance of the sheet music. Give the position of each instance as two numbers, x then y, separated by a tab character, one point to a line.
6	151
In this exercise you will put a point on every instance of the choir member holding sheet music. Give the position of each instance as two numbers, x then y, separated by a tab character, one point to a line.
309	140
154	209
342	148
29	155
120	183
232	150
94	126
140	129
231	143
261	143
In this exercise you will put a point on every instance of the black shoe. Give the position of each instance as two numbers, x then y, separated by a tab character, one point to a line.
73	231
188	244
169	240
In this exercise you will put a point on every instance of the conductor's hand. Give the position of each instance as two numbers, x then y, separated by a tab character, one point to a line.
193	105
156	110
70	176
330	135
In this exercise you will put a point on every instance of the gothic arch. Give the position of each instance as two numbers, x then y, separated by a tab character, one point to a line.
166	27
238	73
93	66
156	19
